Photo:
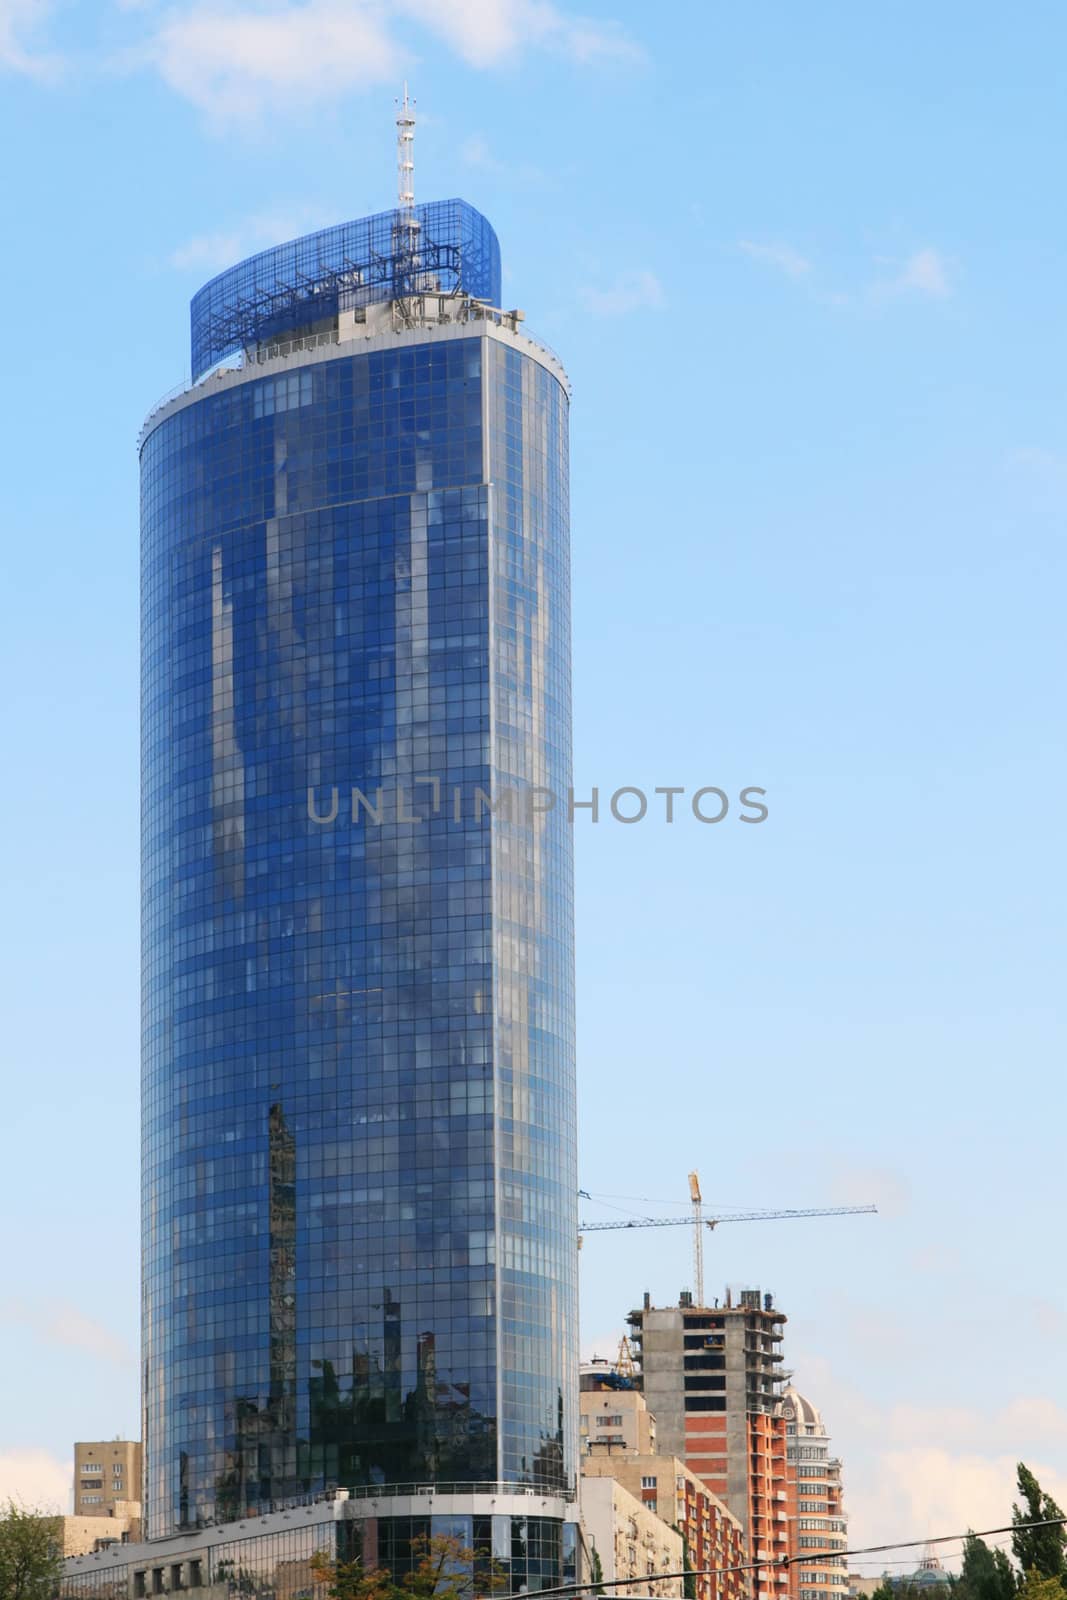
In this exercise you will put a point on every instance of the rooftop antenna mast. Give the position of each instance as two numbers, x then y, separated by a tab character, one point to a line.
407	223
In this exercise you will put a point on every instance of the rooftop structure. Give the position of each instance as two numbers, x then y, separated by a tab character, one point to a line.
301	287
613	1412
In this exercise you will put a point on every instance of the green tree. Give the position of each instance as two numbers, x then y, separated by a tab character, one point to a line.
689	1582
596	1570
31	1559
1038	1551
884	1591
347	1580
1035	1587
986	1574
444	1570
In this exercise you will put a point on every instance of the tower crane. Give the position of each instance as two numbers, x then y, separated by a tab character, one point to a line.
698	1222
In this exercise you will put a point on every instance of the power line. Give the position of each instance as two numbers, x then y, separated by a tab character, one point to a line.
782	1562
996	1544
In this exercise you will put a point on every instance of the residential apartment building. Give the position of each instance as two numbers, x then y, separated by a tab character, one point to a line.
714	1541
107	1474
613	1411
631	1540
817	1522
82	1536
712	1376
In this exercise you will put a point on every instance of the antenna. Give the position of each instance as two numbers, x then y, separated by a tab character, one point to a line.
406	226
405	165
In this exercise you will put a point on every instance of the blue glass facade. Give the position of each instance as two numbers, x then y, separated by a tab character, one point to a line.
359	1225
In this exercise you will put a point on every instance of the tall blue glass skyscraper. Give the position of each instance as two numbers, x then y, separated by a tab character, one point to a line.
359	1178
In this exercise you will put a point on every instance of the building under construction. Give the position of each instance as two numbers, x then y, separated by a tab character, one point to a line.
713	1378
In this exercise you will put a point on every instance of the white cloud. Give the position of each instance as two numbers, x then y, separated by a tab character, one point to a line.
476	152
912	1471
780	256
1050	1318
925	272
932	1490
858	1184
937	1260
211	252
1024	1420
1047	464
37	1480
235	59
208	252
634	291
62	1323
486	32
19	20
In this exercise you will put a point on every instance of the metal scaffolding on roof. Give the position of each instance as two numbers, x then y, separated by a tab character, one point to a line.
353	264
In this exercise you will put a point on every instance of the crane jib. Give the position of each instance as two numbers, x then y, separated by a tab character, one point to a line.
738	1216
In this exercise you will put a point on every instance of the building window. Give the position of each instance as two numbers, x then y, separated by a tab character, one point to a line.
282	394
92	1499
609	1422
649	1483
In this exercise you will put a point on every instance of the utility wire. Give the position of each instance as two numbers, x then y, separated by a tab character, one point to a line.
781	1562
995	1544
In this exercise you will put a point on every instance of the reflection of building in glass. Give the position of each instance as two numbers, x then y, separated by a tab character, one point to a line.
359	1105
516	1538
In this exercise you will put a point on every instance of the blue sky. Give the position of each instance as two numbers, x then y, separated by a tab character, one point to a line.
805	268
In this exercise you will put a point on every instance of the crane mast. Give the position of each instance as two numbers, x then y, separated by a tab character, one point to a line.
698	1238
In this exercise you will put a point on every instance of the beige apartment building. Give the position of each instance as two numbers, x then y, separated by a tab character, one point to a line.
666	1487
618	1434
611	1414
631	1541
81	1536
107	1474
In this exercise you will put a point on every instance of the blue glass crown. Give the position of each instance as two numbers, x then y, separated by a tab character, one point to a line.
298	284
